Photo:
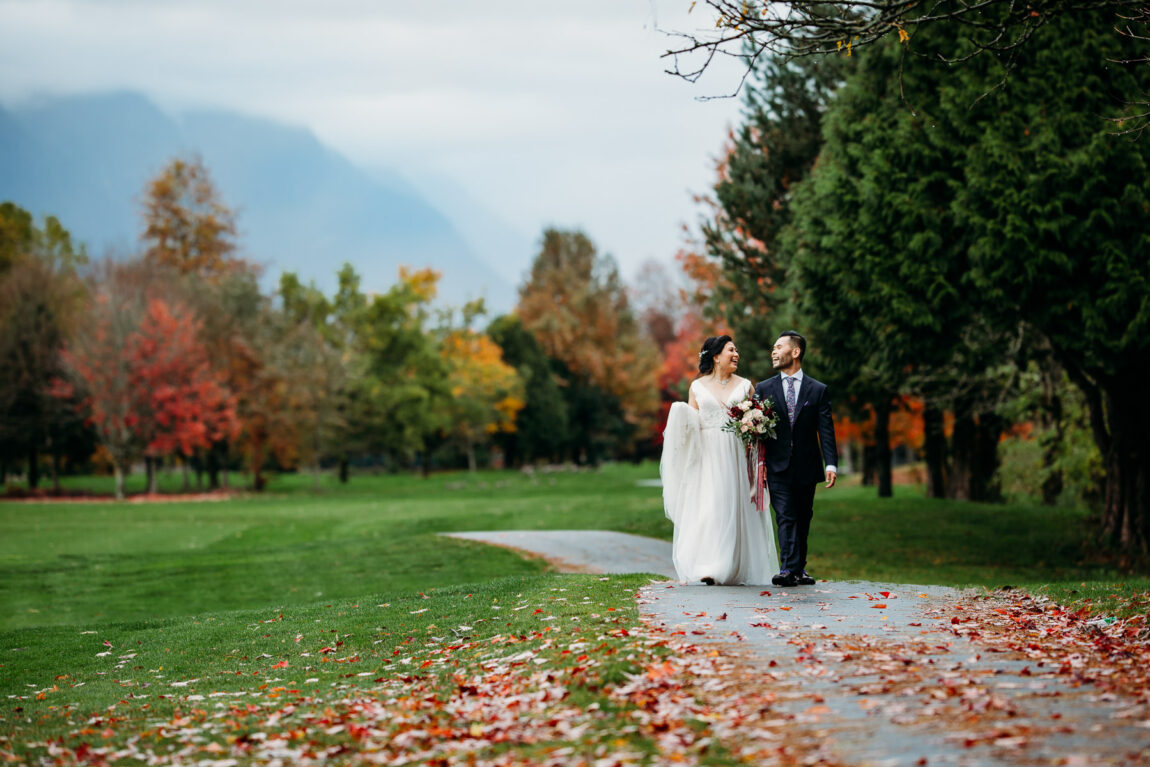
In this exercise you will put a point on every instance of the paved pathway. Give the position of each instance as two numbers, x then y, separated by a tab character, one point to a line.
585	551
775	628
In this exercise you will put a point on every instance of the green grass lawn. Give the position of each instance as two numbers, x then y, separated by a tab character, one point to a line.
197	590
79	563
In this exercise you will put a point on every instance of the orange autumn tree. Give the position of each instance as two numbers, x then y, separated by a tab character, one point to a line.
186	405
487	393
186	224
575	305
144	376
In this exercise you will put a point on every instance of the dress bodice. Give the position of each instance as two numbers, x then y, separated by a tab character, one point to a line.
712	412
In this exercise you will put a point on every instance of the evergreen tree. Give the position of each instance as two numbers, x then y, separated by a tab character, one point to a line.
1056	206
541	427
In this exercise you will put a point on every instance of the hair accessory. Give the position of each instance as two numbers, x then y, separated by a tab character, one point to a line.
702	353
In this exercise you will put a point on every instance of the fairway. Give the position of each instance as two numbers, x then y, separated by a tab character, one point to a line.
101	562
145	609
85	563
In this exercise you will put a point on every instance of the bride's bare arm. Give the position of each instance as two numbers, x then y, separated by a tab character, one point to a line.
691	397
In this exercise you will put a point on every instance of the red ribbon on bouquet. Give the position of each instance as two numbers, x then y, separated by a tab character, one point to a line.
757	474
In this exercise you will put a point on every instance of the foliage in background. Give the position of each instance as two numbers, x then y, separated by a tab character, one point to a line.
186	225
575	305
41	298
542	428
487	393
944	242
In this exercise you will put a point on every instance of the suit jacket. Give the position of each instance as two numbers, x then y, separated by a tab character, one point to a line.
804	449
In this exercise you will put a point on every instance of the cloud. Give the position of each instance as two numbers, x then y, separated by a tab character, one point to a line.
547	112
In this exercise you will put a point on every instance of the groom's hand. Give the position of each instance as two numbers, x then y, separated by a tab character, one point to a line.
831	477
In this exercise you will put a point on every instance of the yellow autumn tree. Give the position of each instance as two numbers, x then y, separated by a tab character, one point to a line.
186	224
487	393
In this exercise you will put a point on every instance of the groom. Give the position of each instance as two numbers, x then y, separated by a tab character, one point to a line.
795	459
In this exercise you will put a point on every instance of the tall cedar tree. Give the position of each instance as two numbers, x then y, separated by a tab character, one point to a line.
770	153
989	210
879	261
1057	205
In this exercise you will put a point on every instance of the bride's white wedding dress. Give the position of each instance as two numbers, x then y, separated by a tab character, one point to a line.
706	492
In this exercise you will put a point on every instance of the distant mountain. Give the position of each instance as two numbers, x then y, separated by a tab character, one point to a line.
302	207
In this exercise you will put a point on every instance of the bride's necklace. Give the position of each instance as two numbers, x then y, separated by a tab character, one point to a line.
721	382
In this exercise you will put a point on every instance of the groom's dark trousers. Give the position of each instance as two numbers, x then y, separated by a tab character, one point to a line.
795	463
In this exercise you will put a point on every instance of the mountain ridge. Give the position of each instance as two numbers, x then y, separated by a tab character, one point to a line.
301	205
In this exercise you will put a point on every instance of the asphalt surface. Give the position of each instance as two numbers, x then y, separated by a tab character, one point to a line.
585	551
773	629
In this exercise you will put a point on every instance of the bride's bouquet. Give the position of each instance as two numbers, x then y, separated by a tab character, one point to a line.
753	421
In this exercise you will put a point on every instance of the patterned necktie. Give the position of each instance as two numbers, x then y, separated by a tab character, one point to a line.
791	399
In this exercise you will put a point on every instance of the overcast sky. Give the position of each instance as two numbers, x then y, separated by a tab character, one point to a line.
548	113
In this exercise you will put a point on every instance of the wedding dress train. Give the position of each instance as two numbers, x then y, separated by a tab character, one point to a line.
719	533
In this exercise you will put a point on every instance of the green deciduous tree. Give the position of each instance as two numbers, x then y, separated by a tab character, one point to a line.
41	296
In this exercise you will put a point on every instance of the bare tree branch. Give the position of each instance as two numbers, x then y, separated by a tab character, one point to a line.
795	28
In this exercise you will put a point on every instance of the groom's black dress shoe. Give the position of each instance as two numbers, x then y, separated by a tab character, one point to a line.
785	578
709	581
805	579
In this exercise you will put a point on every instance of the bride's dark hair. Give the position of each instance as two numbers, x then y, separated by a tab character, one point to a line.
711	347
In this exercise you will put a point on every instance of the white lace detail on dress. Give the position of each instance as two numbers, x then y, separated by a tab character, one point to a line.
712	413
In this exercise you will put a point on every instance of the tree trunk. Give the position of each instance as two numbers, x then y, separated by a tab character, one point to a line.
854	451
213	469
1052	439
962	454
471	457
256	464
56	472
118	469
33	468
187	474
344	470
934	445
869	464
882	410
983	485
1126	457
150	468
198	467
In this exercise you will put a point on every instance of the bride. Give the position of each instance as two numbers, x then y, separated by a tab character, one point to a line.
720	537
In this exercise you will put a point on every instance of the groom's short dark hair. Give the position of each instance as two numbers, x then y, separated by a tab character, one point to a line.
798	340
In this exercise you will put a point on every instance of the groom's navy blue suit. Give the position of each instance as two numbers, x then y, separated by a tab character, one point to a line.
795	462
